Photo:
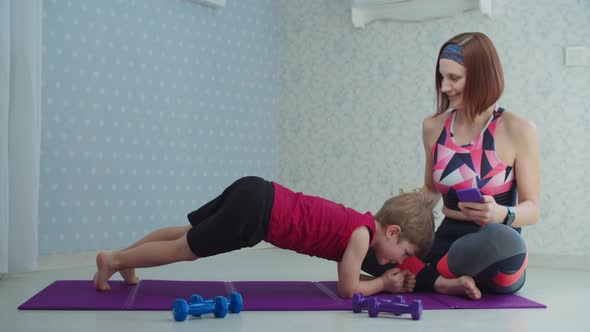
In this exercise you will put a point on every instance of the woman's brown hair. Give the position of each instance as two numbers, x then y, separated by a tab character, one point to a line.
484	77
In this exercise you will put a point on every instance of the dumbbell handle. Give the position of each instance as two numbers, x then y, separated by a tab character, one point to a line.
414	308
359	302
393	307
234	301
218	307
201	308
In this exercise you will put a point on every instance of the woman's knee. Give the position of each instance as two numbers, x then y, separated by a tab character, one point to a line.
476	252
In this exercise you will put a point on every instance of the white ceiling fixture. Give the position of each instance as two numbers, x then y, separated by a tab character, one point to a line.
367	11
211	3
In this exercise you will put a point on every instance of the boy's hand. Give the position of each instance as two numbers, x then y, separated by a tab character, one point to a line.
409	283
393	280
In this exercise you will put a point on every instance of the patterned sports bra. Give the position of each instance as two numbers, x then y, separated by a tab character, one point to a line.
473	165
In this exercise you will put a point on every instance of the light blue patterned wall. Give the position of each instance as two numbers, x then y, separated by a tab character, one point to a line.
351	103
150	108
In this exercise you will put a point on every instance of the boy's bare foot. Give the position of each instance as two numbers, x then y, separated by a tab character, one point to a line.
129	276
464	285
105	271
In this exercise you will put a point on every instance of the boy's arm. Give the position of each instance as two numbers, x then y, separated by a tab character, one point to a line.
349	268
365	277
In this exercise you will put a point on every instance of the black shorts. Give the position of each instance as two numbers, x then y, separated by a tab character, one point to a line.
236	219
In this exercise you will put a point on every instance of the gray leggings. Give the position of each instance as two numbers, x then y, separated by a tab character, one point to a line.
494	255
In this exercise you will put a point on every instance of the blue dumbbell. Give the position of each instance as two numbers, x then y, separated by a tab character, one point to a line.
180	308
234	301
359	302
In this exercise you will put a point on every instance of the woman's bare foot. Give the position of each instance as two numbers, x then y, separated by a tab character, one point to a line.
105	271
464	285
129	276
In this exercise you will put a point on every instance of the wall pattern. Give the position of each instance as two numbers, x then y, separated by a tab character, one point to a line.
150	109
351	103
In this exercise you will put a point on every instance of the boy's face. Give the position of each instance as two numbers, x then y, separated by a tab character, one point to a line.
392	249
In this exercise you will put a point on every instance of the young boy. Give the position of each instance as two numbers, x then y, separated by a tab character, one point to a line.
252	209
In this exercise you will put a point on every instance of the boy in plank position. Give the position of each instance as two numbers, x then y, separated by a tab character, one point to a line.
253	209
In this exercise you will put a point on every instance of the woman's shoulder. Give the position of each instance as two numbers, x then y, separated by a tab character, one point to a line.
432	122
518	125
520	129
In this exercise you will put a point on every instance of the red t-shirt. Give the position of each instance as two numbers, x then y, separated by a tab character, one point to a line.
312	225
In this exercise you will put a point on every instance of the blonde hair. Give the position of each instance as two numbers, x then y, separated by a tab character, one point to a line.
413	213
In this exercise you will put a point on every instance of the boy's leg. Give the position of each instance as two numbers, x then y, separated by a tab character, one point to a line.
173	233
148	254
162	234
234	220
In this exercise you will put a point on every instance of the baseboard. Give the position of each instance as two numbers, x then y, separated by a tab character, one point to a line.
87	259
66	261
559	262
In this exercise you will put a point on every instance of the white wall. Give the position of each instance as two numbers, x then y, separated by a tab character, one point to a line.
351	103
150	109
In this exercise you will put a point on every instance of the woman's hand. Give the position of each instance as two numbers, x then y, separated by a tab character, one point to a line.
483	213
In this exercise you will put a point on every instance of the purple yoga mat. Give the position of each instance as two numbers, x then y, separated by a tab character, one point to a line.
257	295
287	296
427	302
487	301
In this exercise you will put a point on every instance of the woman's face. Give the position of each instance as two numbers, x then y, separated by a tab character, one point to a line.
453	81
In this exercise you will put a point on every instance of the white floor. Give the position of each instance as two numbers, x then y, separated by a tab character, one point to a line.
566	293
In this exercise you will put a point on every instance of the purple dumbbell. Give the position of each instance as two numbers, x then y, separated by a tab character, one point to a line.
377	306
359	302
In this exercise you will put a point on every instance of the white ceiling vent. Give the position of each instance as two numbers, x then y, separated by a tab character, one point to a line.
367	11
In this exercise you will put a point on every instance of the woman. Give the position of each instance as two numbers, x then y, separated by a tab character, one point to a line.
471	142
